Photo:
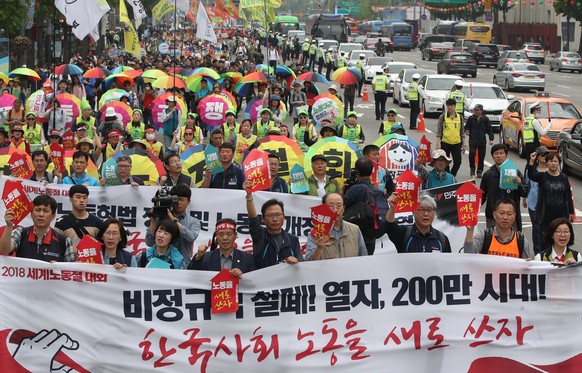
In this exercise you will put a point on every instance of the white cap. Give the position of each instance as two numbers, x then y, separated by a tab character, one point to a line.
362	55
110	112
333	86
459	82
416	76
321	44
330	49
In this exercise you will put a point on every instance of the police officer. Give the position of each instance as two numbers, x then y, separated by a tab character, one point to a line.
341	60
379	86
312	53
532	129
320	54
360	67
412	97
328	63
459	97
305	51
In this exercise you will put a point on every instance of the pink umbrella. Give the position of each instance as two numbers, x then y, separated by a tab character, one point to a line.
212	108
6	102
122	110
160	106
37	102
256	106
71	105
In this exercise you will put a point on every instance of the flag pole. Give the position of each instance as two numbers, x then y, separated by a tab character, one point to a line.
175	32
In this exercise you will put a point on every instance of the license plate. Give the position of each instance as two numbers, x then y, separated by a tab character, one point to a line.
442	50
494	118
530	76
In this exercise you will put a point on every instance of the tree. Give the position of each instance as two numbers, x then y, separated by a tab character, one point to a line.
569	9
11	16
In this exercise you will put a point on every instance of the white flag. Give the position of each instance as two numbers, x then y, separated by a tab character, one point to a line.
139	12
94	35
82	15
183	5
204	26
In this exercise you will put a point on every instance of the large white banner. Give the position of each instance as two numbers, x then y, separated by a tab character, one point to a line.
82	15
391	313
204	28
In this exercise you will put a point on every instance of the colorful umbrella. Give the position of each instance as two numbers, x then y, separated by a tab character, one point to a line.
4	78
252	77
397	153
233	75
36	103
327	106
151	75
263	68
160	106
212	108
91	168
68	68
313	77
96	73
123	111
346	75
179	71
6	102
71	105
243	89
120	79
5	154
26	73
340	153
120	69
254	107
133	73
288	151
168	82
112	95
194	163
230	98
284	71
144	165
193	82
205	71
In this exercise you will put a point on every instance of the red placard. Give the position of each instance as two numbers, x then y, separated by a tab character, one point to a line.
69	140
58	157
468	204
20	167
374	176
256	168
424	151
224	293
15	198
407	191
322	217
89	250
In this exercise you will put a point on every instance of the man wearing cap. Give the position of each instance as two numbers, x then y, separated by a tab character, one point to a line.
231	178
459	97
360	66
533	130
320	55
18	141
352	131
79	176
386	126
136	128
171	120
110	123
438	176
223	254
152	144
477	127
319	182
450	135
40	161
278	184
113	145
412	96
230	128
264	124
90	122
379	86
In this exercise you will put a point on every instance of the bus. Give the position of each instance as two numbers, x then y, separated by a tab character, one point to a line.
328	26
473	31
444	28
283	24
400	33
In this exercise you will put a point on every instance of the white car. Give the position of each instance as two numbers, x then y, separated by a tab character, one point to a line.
535	52
348	47
394	69
374	64
354	56
432	90
491	96
403	80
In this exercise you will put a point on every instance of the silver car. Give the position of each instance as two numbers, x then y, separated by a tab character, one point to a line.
566	61
511	56
518	75
535	52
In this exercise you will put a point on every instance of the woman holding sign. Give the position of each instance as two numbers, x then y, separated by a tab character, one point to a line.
113	238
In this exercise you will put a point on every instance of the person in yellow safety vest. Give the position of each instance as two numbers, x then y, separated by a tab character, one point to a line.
191	123
181	146
153	145
264	124
450	135
312	53
533	130
380	88
305	52
136	128
244	140
412	97
113	145
328	63
360	66
303	127
458	95
352	131
230	128
91	123
33	132
320	58
341	60
386	126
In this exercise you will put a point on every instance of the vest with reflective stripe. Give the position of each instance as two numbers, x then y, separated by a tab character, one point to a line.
413	91
380	82
387	126
351	133
341	62
305	47
451	129
528	129
459	97
312	49
89	123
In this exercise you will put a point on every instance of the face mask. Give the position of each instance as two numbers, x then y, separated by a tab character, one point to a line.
150	136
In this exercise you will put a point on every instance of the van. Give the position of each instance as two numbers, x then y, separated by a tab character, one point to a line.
299	34
436	39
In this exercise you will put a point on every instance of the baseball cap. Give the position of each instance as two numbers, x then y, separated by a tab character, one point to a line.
318	156
542	150
478	107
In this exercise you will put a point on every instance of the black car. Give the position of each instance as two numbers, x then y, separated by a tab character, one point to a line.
436	39
435	50
457	63
570	149
484	54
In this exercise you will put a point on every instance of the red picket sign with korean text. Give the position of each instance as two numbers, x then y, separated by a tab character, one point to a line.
69	140
58	157
20	166
408	192
374	176
89	250
468	204
256	168
15	198
322	217
424	151
224	292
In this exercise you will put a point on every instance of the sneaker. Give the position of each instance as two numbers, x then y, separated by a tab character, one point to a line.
479	173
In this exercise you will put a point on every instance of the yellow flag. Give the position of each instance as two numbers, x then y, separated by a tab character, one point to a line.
130	37
274	3
160	10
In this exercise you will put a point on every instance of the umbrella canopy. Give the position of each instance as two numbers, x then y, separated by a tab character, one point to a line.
68	68
313	77
263	68
230	98
254	107
112	95
144	165
120	69
194	163
122	110
160	106
346	75
26	73
284	71
252	77
71	105
119	78
4	78
288	151
5	154
193	82
397	153
36	103
212	108
180	71
233	75
133	73
151	75
6	102
205	71
96	73
341	155
327	106
168	82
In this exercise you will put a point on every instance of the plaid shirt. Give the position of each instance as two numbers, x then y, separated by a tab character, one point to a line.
70	255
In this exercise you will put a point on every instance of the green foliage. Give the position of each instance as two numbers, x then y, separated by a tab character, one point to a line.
568	10
11	16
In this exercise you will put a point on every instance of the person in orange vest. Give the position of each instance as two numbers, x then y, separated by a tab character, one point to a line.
18	141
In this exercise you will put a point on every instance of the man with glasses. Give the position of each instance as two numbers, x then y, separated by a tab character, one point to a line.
271	244
124	172
40	163
421	237
79	221
173	165
502	239
278	184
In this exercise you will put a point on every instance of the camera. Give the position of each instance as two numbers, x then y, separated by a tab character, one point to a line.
352	177
162	204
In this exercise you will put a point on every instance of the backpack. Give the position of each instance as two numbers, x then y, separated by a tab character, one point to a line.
440	235
369	215
488	237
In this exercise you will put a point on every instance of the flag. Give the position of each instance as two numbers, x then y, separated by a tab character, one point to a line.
160	10
204	29
220	10
232	9
191	15
82	15
94	35
139	12
130	37
29	14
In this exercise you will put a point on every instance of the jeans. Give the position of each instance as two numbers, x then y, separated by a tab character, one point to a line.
348	102
167	142
455	152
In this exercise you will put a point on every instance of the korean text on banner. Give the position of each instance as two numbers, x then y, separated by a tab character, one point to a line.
131	39
139	11
82	15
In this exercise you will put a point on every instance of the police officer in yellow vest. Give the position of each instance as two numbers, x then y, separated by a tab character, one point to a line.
450	135
360	66
380	87
312	53
532	129
136	128
91	123
341	60
412	97
33	132
305	51
352	131
459	97
230	128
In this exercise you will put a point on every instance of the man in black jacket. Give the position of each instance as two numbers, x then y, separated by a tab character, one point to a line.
478	127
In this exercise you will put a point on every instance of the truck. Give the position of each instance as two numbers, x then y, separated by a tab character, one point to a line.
328	26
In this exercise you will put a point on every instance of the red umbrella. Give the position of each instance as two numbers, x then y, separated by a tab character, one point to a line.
96	73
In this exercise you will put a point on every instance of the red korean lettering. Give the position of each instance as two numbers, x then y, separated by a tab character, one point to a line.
433	328
194	343
310	350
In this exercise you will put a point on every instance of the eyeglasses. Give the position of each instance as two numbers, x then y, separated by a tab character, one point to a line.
425	210
30	118
112	234
562	233
275	215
